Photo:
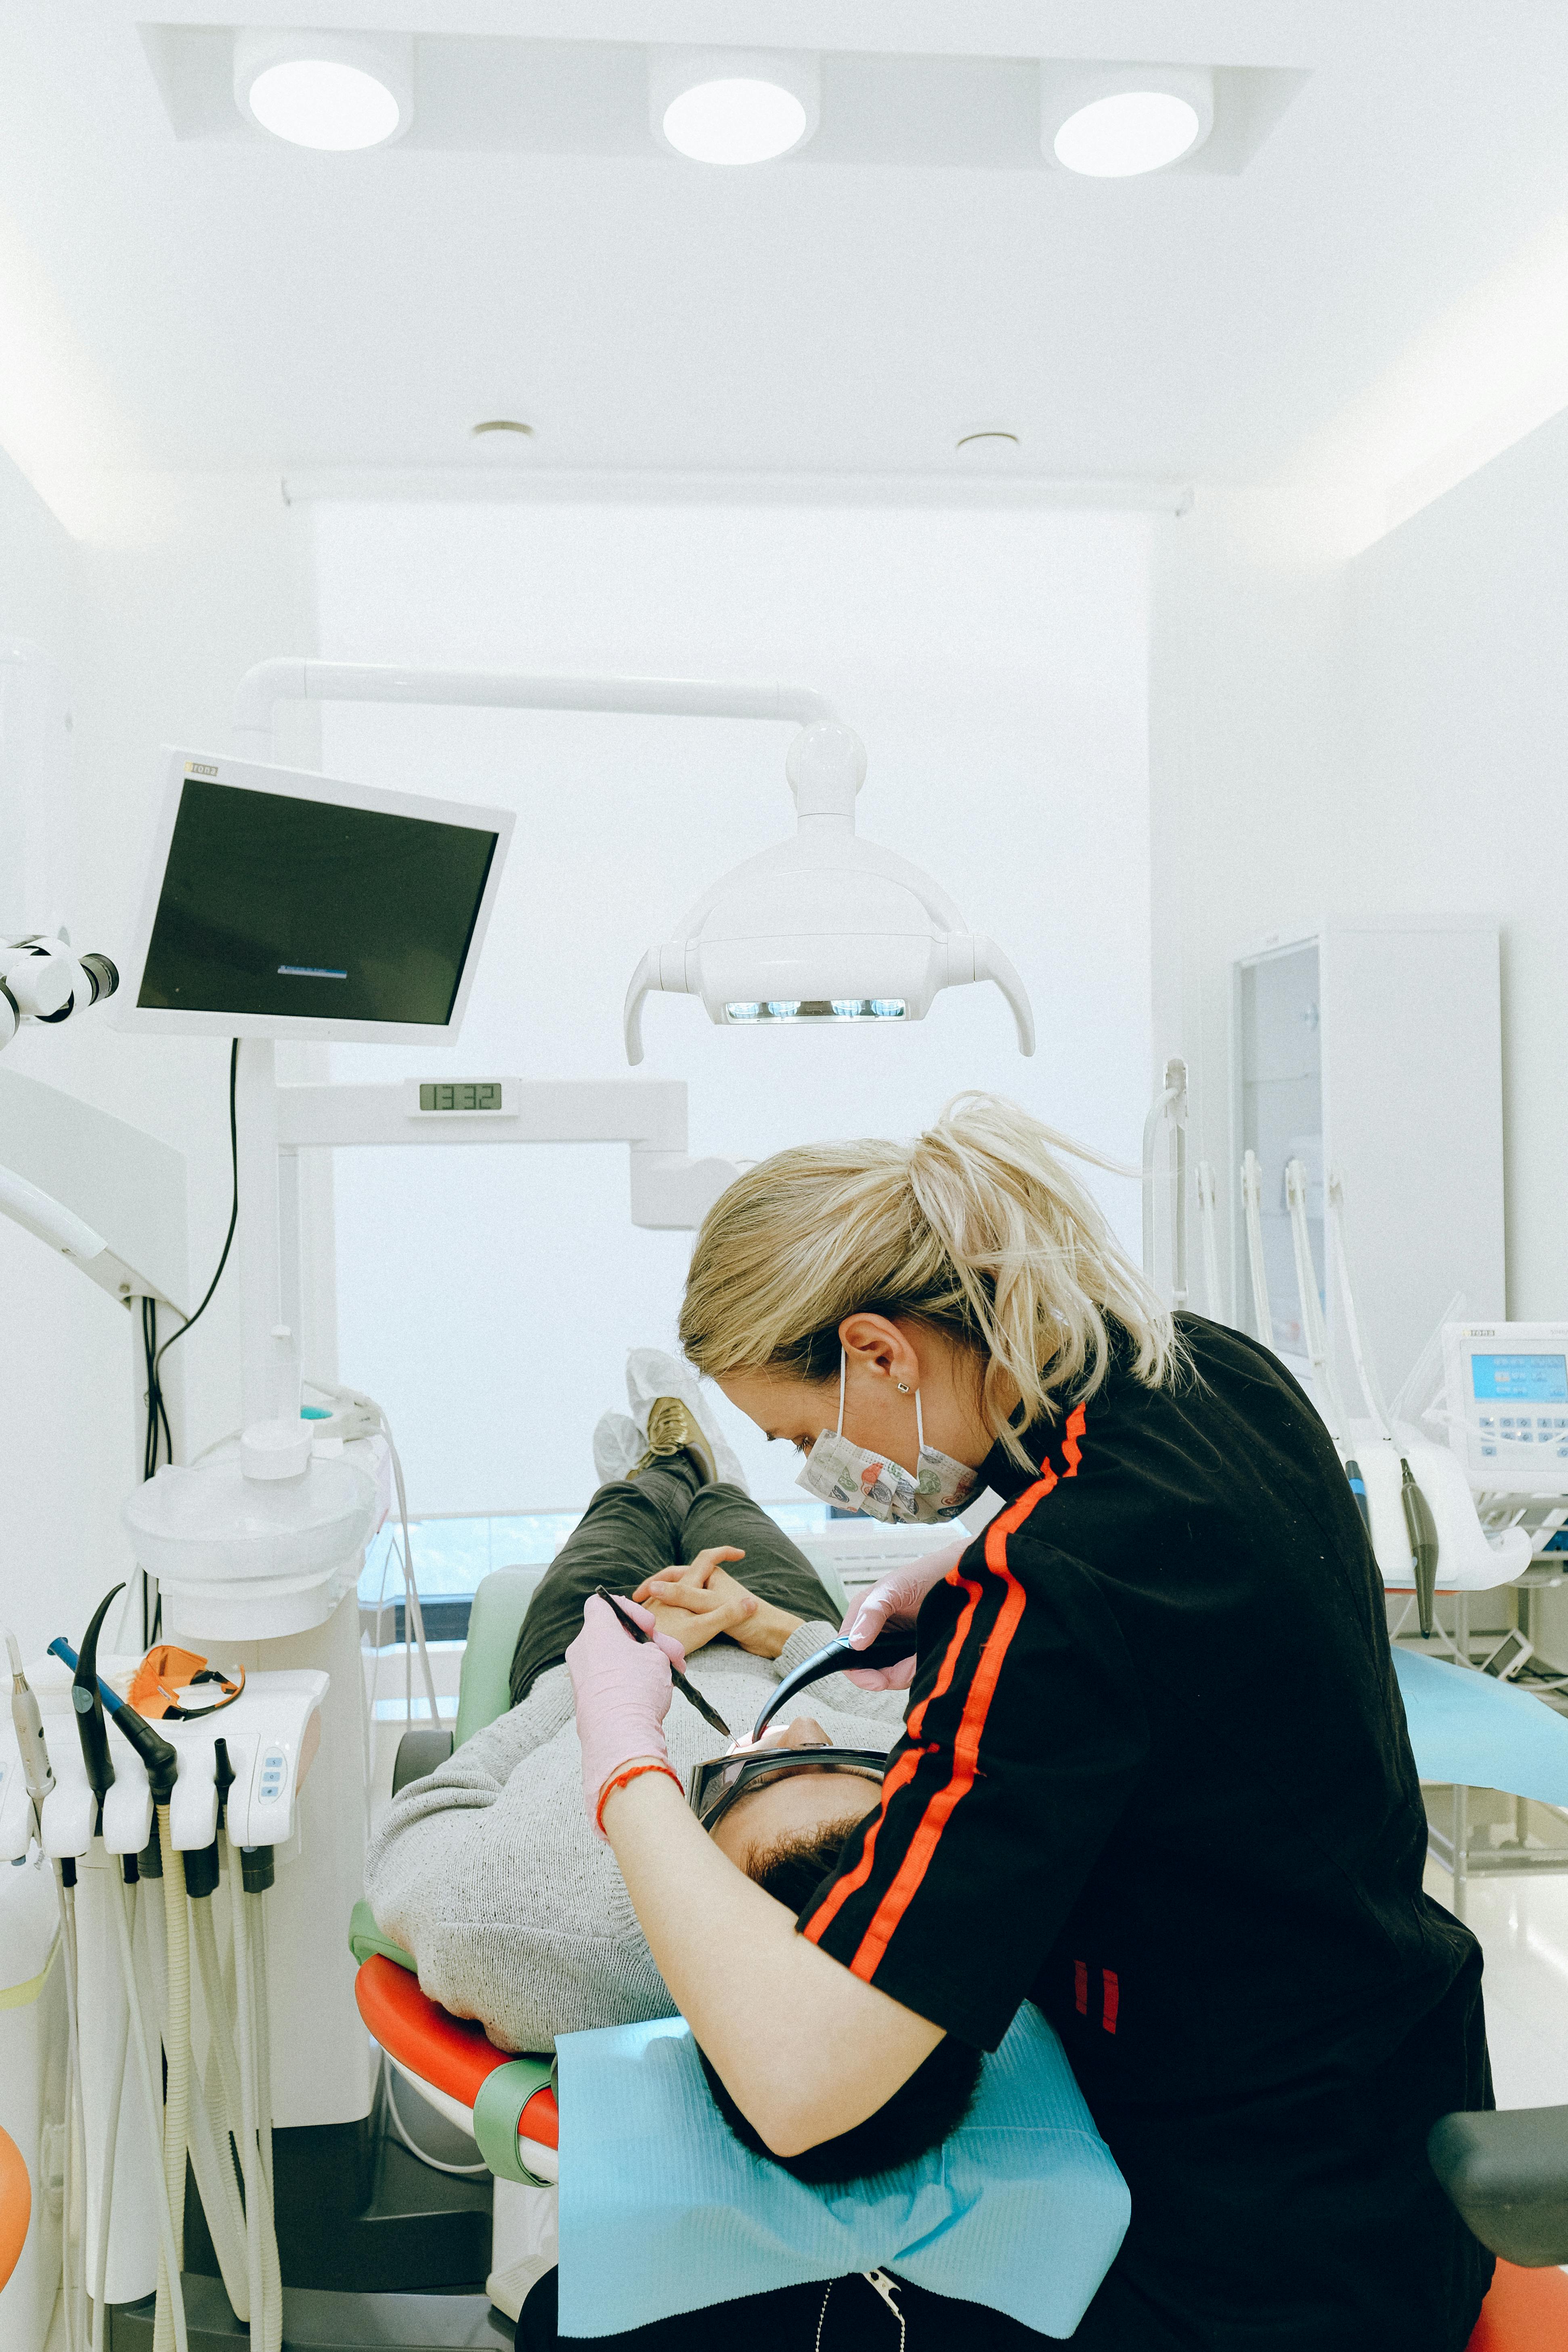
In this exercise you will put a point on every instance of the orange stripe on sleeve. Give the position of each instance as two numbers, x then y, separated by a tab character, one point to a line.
966	1746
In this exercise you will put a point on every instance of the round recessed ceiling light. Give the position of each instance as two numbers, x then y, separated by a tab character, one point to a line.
732	107
337	93
1115	122
988	437
1137	130
501	424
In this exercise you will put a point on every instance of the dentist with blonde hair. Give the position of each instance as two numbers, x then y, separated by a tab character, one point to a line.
1154	1775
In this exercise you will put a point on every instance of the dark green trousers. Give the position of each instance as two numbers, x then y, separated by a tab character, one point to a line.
661	1518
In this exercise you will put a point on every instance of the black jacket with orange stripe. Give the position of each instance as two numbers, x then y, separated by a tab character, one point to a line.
1156	1777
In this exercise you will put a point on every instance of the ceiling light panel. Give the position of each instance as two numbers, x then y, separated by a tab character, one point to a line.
732	106
1121	122
499	94
337	93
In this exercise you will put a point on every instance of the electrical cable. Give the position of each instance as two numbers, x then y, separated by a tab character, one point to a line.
459	2171
233	1217
351	1407
153	1354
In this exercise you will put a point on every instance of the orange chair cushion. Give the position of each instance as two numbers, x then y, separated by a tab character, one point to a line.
15	2204
452	2052
1526	2311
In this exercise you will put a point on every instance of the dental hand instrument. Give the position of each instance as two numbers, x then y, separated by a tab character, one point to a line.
29	1725
687	1689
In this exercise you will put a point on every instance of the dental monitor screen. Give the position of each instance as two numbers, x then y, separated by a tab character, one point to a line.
277	908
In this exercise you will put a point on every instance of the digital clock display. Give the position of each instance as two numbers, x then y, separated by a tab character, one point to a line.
463	1094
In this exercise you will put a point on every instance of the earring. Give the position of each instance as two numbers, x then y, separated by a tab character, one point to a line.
902	1387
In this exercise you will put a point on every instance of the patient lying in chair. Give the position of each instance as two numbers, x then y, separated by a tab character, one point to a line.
487	1872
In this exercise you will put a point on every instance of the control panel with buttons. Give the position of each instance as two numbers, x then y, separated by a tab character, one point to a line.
1507	1404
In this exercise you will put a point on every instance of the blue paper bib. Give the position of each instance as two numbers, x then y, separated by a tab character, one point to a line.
662	2210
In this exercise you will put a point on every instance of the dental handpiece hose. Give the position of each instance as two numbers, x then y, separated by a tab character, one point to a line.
88	1697
38	1778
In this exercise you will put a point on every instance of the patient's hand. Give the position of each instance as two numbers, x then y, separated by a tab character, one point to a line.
699	1602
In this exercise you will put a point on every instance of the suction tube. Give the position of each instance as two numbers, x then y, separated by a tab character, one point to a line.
170	2292
176	2043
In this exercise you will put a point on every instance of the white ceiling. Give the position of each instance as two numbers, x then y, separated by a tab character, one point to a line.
219	302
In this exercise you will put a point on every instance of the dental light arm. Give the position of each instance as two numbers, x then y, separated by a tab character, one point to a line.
826	927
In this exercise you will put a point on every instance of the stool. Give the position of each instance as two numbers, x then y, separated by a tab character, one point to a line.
15	2205
1525	2311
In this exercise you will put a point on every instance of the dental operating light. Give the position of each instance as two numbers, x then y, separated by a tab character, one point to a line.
335	91
1117	122
732	106
825	927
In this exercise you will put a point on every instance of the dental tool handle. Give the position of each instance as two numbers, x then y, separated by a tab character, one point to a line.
28	1725
88	1707
1367	1371
1331	1402
161	1760
1252	1221
1208	1209
888	1649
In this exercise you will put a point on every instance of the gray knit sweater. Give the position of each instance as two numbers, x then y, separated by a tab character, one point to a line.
489	1873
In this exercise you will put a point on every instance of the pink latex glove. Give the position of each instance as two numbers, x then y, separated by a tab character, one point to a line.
622	1689
895	1601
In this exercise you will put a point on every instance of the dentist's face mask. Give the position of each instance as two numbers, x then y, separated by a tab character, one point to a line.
856	1479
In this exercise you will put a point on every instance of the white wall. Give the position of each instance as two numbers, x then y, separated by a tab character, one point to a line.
181	586
995	665
1461	715
1388	734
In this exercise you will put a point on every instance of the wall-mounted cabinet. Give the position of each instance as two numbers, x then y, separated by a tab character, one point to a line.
1374	1047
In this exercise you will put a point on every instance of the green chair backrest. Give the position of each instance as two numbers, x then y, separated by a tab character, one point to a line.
484	1691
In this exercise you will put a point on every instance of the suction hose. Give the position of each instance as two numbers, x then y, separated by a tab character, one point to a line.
70	2282
177	2052
256	2220
106	2189
215	2113
169	2286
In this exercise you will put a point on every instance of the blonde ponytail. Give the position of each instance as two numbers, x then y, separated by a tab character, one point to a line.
976	1228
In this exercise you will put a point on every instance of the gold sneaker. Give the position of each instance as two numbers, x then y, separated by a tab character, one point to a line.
672	1430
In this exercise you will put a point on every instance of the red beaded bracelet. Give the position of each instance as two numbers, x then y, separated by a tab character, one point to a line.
620	1780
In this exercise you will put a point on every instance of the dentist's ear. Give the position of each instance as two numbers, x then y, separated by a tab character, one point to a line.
877	1344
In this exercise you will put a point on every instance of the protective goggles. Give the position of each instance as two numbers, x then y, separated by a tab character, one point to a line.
716	1786
177	1685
